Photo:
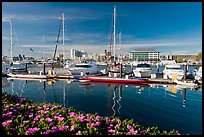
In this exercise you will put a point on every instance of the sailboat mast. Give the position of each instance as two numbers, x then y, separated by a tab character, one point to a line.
114	41
63	33
120	46
11	33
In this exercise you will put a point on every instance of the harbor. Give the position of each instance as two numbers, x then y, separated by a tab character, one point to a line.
101	68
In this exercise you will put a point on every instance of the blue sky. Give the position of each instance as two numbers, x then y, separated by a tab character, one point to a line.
168	27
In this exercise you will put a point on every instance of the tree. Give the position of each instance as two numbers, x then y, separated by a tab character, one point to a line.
179	60
200	55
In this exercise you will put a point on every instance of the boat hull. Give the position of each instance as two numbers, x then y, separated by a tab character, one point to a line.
142	74
27	76
115	80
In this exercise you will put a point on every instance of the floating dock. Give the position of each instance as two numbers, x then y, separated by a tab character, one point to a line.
100	79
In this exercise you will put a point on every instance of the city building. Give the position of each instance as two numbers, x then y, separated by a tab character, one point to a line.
175	57
77	53
142	54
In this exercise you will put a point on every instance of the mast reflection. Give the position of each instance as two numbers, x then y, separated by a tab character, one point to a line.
184	97
117	97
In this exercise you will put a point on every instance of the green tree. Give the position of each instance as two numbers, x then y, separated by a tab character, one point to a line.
200	55
179	60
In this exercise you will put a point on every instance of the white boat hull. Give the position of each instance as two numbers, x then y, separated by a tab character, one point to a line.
27	76
142	74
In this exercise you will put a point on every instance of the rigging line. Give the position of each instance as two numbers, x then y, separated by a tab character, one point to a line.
17	42
111	33
57	40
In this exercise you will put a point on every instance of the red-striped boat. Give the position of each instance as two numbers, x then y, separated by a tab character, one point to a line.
115	80
115	84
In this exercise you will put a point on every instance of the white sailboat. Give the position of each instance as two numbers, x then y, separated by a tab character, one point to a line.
115	67
15	66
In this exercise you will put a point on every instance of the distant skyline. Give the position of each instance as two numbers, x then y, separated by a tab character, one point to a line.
168	27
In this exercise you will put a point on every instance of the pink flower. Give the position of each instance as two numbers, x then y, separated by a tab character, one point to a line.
117	125
4	124
46	132
72	128
135	132
72	114
48	119
44	106
92	125
78	133
4	115
36	118
25	122
61	128
111	131
7	123
129	127
107	120
60	119
88	120
20	126
73	122
55	129
97	123
9	113
41	111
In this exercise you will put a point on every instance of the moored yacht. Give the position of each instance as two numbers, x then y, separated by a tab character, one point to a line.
173	71
142	70
198	73
85	67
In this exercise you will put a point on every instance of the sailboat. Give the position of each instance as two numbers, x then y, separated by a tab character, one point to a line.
15	66
115	68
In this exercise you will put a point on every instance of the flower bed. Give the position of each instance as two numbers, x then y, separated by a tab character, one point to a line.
21	116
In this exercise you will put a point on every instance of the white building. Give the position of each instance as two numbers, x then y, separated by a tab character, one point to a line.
144	55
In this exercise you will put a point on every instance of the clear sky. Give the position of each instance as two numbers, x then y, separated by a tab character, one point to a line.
168	27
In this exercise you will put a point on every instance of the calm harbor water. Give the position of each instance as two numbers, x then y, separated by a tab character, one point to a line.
168	107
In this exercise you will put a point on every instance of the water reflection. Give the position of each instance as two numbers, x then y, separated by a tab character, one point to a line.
184	97
115	97
123	100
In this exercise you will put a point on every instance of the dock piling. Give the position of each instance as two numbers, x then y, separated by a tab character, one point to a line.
44	68
185	71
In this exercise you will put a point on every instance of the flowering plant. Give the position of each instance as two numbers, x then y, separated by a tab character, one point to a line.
21	116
